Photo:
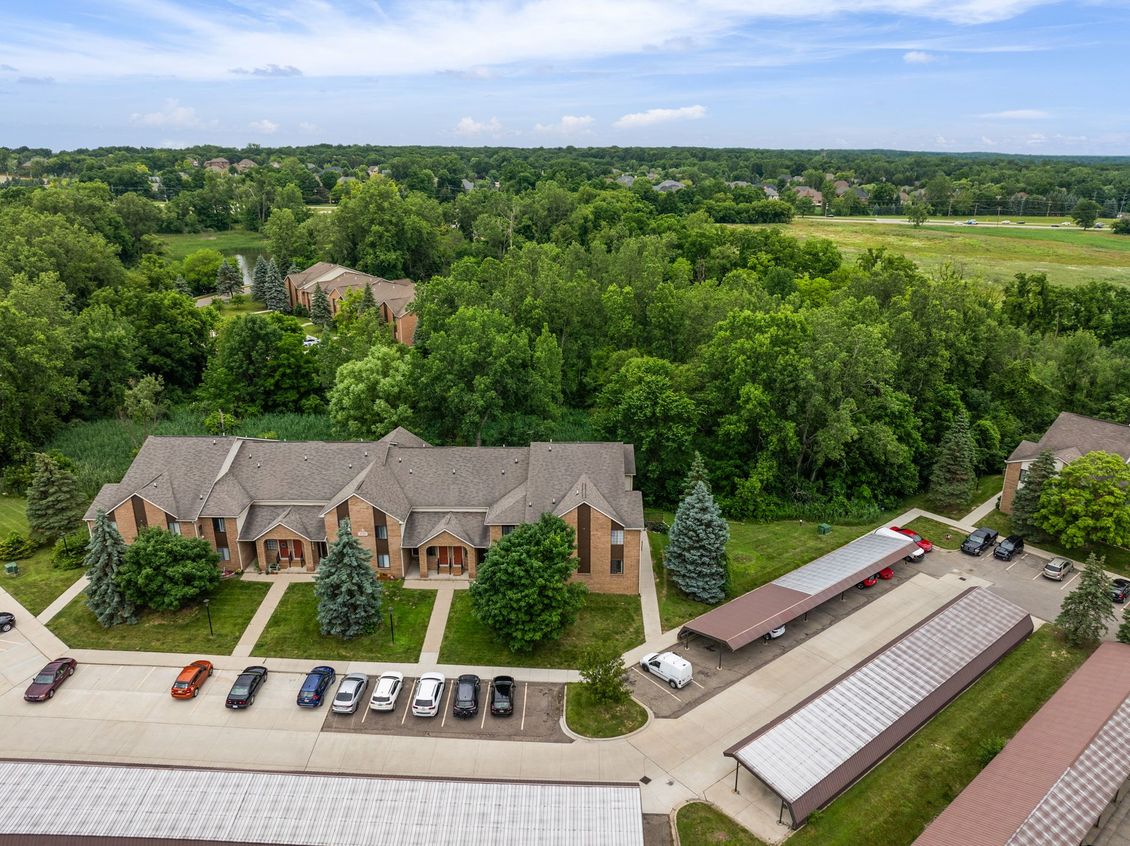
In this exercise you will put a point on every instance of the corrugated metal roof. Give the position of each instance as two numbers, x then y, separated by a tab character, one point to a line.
816	749
41	798
751	615
1053	780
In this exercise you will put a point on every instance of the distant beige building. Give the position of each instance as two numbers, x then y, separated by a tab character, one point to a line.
393	296
220	164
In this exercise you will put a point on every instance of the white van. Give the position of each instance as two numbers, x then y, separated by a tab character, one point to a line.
668	666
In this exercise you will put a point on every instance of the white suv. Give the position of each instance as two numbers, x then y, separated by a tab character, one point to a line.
387	691
429	692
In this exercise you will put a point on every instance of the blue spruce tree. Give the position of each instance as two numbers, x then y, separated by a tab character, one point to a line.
696	547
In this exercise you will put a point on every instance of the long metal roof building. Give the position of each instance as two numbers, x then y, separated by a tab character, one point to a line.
47	803
751	615
817	749
1056	779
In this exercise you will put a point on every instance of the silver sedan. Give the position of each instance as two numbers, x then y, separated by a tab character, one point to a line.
350	693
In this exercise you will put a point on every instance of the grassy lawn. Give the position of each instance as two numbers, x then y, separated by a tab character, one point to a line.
233	604
38	584
987	488
894	802
591	718
230	242
701	824
937	533
1067	256
1117	558
292	631
228	309
605	618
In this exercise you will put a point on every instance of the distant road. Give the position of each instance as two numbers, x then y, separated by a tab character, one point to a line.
905	222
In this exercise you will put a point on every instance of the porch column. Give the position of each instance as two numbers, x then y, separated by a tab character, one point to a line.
422	557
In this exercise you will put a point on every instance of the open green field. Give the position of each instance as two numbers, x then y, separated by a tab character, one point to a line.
232	606
605	619
1067	256
38	583
13	515
229	243
292	631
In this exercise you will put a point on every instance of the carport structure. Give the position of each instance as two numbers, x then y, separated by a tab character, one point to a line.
1063	773
756	613
818	748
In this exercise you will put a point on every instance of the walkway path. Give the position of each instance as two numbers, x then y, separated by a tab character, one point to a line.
649	601
49	613
437	624
259	622
981	511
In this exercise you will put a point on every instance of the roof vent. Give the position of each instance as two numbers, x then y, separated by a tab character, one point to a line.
399	459
452	471
305	458
366	453
551	447
554	501
213	441
504	472
515	459
409	471
351	465
258	464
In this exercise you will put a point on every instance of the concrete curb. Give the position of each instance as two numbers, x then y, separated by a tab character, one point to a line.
586	739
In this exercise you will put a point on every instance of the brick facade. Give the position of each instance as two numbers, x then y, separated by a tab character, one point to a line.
362	522
1011	483
467	568
600	578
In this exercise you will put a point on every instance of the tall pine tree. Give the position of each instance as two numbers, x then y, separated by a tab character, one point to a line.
1026	500
276	298
259	280
228	279
697	473
349	594
320	308
954	479
103	557
1124	626
54	502
1087	610
368	302
696	547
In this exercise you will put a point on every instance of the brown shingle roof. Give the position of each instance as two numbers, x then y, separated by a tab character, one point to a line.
1076	432
1053	779
397	294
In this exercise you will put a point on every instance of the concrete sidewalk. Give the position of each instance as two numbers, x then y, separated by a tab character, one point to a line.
37	634
49	613
262	615
981	511
437	625
649	600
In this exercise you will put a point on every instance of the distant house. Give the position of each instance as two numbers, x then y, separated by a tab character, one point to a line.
1069	437
626	179
374	170
468	185
244	165
841	186
739	183
669	186
771	192
220	164
393	296
812	194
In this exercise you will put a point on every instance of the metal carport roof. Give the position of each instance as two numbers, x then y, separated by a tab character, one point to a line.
46	802
751	615
814	751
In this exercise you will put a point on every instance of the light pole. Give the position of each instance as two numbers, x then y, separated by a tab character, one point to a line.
209	612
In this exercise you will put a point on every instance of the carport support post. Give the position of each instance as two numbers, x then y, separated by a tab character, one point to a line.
719	656
735	776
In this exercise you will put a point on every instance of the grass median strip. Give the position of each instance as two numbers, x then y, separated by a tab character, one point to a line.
232	605
589	717
701	824
940	534
292	631
38	583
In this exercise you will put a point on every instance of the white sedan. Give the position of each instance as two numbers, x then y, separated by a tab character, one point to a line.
349	693
387	691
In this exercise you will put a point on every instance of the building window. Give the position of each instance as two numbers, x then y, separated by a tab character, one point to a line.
507	530
174	527
617	568
617	537
1023	474
382	561
271	545
219	526
225	553
382	532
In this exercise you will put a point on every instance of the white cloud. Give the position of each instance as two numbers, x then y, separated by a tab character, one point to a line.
987	141
1036	138
173	114
306	126
1017	114
269	70
468	126
654	116
264	126
918	57
568	125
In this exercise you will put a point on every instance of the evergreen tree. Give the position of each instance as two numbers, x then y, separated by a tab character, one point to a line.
103	557
368	302
320	308
953	479
54	502
697	473
276	298
696	547
259	279
349	595
181	285
1026	500
228	279
1124	626
1087	610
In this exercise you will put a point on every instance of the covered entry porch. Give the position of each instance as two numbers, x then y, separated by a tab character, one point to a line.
446	545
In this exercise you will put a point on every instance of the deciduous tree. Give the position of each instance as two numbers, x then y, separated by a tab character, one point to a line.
696	547
348	592
165	572
1088	502
917	213
604	674
104	556
1087	611
370	397
1085	213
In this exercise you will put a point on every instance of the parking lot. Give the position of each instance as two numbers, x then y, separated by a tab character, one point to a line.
703	654
537	716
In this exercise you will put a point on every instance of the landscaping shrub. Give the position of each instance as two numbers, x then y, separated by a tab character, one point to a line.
70	551
165	572
16	546
604	675
989	748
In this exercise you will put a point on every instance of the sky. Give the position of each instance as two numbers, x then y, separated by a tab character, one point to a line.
1018	76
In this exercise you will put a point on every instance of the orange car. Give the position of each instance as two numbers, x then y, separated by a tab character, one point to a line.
191	679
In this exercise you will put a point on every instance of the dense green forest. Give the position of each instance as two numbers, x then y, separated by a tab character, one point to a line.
559	303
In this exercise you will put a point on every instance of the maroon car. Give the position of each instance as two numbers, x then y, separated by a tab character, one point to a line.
44	685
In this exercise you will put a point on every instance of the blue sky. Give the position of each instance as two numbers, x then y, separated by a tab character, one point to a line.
1024	76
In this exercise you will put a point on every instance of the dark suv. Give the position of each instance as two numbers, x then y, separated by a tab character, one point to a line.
466	696
1009	547
979	541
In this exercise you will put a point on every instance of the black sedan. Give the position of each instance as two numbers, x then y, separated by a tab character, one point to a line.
979	541
502	696
7	621
466	696
1119	590
242	693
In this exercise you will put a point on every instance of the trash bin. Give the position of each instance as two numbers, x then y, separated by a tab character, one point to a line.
12	568
823	529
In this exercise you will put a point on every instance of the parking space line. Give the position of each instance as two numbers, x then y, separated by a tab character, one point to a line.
446	702
657	684
363	716
408	704
525	690
1038	574
696	683
484	707
1069	581
1013	564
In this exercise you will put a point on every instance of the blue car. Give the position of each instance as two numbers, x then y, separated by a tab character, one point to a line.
313	691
